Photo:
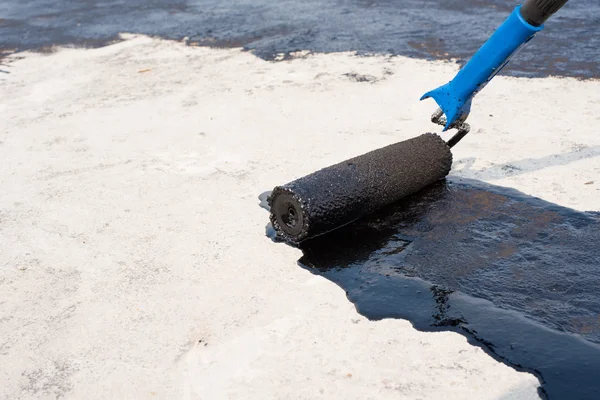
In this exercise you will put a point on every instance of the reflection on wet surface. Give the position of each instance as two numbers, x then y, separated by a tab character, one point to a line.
517	275
431	29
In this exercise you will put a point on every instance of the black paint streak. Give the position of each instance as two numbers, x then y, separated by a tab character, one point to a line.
516	275
430	29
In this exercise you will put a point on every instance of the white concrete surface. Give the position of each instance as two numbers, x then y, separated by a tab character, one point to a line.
134	262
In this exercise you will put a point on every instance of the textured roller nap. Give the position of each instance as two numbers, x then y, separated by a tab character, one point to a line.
339	194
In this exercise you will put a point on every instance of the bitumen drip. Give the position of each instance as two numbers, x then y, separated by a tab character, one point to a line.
518	276
427	29
264	200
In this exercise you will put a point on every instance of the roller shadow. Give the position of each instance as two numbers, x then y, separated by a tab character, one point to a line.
526	165
516	275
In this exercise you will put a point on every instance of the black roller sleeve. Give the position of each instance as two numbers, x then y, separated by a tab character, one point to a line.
339	194
536	12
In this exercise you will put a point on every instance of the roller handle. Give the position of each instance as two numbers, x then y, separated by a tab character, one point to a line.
536	12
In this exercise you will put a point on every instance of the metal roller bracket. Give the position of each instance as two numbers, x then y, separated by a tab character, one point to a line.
439	118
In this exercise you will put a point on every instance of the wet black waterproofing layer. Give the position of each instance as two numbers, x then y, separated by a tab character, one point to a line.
517	275
339	194
431	29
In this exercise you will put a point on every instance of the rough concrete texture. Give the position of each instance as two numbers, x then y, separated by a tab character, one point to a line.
134	262
339	194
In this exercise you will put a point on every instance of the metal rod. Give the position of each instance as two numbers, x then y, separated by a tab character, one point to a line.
439	118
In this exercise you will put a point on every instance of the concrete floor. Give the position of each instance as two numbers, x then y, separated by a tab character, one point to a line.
134	258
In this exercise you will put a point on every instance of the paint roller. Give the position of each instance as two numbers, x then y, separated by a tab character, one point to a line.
342	193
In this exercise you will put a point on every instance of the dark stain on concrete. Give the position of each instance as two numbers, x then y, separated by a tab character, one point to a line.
430	29
516	275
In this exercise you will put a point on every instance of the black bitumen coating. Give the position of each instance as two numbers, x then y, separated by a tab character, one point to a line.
431	29
517	275
339	194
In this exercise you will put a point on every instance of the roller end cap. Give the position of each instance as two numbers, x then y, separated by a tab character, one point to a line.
288	215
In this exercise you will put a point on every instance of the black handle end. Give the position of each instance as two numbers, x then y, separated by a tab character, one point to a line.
536	12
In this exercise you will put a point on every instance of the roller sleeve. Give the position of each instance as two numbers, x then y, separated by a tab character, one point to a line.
337	195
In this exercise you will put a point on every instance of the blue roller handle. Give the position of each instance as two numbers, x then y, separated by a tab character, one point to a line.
455	97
